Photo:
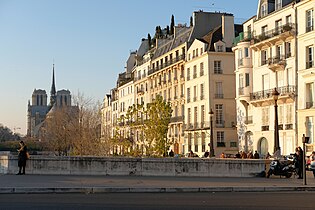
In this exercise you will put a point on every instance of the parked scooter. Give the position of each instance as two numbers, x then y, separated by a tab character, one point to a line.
282	167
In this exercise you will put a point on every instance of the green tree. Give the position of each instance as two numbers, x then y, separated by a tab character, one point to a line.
159	114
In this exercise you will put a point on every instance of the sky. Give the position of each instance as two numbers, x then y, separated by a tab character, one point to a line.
89	42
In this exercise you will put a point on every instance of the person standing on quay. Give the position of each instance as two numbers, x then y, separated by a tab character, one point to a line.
22	157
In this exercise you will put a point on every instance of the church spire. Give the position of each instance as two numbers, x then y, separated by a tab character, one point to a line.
53	89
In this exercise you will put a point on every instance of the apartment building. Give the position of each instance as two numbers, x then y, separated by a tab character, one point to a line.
266	59
306	72
210	83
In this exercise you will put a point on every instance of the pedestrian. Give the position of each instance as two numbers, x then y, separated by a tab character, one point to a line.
238	155
256	155
191	154
299	162
222	155
206	154
171	153
22	157
312	162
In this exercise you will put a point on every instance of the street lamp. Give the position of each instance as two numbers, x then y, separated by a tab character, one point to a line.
275	95
211	133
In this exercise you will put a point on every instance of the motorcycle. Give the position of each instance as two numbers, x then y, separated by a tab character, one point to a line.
281	168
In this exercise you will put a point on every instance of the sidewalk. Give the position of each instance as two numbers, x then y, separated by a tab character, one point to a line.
105	184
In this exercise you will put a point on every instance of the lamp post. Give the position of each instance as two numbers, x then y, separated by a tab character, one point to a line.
211	133
275	95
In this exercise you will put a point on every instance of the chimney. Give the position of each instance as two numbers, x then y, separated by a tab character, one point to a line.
228	29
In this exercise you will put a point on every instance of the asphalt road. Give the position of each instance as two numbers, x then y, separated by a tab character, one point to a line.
174	201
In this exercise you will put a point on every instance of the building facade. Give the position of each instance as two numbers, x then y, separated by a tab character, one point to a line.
164	69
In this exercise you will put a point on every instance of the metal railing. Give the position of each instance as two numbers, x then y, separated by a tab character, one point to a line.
276	60
167	64
268	93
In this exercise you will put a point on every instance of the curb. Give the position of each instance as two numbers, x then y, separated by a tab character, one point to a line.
92	190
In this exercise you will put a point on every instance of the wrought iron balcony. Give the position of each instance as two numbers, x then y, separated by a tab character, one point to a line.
266	94
167	64
219	95
265	128
281	31
177	119
277	62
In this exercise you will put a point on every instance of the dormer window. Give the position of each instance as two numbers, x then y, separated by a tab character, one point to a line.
264	10
278	4
219	48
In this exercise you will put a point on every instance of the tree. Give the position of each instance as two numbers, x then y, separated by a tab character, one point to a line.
74	130
172	24
159	114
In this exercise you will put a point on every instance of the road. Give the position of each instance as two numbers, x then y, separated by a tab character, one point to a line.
174	201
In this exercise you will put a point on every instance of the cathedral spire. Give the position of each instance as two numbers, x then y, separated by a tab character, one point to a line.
53	89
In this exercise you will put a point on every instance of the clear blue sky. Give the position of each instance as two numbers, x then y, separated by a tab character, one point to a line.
88	40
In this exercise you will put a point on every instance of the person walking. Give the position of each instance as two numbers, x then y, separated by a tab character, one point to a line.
206	154
22	157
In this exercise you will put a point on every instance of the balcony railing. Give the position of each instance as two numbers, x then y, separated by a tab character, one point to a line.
243	37
248	120
276	60
289	126
273	33
197	126
268	93
220	144
167	64
220	124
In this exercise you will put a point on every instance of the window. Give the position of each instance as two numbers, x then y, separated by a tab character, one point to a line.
289	114
287	49
278	4
246	52
196	142
219	115
280	115
278	25
182	90
195	72
197	52
189	142
309	20
310	128
217	67
264	57
220	136
264	30
219	90
188	74
202	96
309	95
201	69
265	116
203	141
288	19
220	48
278	51
188	95
189	116
202	115
195	116
264	10
247	80
175	92
195	93
310	57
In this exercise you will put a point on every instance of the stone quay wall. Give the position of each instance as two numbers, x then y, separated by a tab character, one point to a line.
190	167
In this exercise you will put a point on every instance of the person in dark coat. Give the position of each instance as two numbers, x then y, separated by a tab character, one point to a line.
299	162
256	155
171	153
22	157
